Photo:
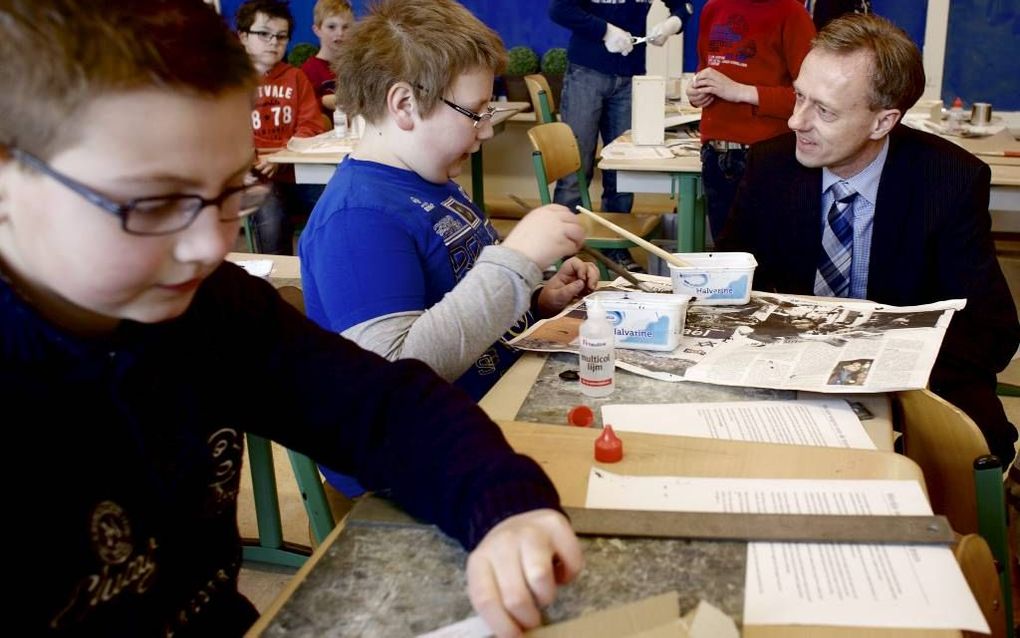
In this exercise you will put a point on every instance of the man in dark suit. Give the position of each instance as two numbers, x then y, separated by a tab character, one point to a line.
911	223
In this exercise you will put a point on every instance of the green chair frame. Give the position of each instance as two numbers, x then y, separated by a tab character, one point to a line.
270	546
541	97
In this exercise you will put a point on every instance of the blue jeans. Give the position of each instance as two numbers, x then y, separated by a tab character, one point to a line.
721	172
594	103
273	224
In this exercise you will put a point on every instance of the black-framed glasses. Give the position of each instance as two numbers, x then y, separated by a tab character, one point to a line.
268	37
161	215
477	118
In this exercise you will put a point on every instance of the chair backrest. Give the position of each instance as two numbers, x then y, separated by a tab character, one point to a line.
555	156
541	97
978	567
944	441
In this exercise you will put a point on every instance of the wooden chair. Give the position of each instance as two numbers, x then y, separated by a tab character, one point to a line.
964	481
270	547
541	98
979	569
555	156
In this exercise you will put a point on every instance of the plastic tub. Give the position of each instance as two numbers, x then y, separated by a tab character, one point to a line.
643	320
714	279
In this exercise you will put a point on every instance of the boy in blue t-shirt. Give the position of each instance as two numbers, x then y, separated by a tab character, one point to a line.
396	256
123	164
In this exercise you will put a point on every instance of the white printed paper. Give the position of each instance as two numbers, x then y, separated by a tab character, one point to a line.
824	423
842	584
256	267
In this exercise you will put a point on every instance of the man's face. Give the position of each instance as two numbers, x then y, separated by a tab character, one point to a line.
834	123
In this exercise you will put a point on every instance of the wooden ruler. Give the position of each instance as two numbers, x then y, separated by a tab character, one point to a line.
796	528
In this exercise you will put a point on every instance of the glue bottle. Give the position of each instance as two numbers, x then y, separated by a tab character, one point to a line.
957	116
339	123
598	357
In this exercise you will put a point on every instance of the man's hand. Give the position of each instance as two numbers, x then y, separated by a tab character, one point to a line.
617	40
514	571
574	278
660	32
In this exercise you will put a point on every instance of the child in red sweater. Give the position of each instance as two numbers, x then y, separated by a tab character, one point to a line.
333	19
285	107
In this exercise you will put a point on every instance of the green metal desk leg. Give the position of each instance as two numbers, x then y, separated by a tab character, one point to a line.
307	477
688	239
477	179
992	524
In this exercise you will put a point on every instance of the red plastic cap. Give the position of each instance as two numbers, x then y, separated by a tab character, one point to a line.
581	416
608	447
958	103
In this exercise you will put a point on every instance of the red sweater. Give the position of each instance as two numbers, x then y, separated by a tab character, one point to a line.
285	107
757	42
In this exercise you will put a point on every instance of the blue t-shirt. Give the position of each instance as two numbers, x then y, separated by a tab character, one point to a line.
383	240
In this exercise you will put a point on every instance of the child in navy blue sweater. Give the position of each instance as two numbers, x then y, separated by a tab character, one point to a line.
124	164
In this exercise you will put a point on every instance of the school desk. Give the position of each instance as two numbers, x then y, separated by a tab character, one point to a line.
317	168
532	390
385	575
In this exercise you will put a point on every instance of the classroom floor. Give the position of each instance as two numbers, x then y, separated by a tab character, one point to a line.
261	583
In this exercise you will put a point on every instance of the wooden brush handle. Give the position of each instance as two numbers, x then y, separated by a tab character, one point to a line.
647	245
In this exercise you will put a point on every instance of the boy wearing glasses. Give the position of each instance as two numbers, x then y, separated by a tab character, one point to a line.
396	256
285	106
119	319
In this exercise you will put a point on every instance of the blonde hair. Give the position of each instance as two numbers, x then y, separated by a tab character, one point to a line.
897	76
92	48
426	44
328	8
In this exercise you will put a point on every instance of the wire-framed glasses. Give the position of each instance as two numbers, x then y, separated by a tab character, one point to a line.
161	215
477	118
268	36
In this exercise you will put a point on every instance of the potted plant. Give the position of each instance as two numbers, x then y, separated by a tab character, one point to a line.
522	61
301	52
554	65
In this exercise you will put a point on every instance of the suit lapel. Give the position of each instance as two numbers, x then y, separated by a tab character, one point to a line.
891	216
806	225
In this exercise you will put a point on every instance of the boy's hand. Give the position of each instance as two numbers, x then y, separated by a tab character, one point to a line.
264	167
546	234
711	82
574	278
515	569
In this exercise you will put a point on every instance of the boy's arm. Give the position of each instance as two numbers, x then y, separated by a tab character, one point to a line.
451	335
799	30
308	112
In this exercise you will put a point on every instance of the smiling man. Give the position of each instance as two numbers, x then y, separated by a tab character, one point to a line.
853	204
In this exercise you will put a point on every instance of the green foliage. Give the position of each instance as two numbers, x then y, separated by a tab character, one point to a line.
301	52
523	61
554	62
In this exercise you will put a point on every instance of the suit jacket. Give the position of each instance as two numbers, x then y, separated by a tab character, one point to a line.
931	240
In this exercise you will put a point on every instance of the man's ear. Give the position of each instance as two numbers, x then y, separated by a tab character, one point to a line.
401	105
885	120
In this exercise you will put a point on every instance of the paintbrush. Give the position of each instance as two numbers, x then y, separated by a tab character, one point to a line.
595	254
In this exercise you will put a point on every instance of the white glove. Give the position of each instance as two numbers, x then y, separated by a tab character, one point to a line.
659	33
617	40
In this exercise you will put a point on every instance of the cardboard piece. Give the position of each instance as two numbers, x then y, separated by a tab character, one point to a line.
622	621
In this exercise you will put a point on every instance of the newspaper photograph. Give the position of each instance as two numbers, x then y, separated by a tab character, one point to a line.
778	341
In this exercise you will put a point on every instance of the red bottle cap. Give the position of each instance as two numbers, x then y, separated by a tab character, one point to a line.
958	103
608	447
581	416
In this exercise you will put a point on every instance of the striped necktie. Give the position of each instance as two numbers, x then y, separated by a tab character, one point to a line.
833	277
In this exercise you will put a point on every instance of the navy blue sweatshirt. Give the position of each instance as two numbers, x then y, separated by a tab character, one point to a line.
136	443
587	20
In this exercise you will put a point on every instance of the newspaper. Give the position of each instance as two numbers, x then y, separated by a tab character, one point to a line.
780	341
